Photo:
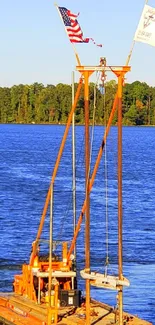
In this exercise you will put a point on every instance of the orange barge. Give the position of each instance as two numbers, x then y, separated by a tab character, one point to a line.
15	309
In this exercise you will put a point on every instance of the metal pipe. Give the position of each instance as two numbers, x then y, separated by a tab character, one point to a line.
73	164
87	169
50	246
50	254
120	248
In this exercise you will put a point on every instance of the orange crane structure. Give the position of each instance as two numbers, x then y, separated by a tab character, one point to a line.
41	289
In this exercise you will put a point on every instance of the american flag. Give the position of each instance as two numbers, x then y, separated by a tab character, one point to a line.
73	28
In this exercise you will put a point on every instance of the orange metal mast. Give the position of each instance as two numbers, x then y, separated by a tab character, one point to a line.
120	248
87	170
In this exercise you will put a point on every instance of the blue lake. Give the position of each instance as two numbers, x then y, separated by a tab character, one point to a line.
27	157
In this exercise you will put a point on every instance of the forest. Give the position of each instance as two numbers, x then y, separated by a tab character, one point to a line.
39	104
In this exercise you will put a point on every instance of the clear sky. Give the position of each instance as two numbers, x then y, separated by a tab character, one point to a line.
35	47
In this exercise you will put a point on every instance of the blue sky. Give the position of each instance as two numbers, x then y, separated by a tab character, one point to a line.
35	47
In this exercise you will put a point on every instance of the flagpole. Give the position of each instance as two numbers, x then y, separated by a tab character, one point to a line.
132	46
74	49
130	53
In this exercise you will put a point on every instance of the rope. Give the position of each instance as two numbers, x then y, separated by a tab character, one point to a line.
106	192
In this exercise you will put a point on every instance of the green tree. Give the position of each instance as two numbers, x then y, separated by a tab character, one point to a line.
52	104
130	116
5	106
63	101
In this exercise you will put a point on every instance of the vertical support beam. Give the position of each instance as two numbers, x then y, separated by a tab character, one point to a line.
39	291
73	165
87	169
56	304
50	254
120	250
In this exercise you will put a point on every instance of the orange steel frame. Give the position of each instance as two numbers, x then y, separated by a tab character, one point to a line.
119	72
25	281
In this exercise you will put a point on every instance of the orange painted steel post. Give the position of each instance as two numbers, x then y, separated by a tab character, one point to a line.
120	248
94	173
120	74
50	250
87	170
49	316
56	304
64	253
55	170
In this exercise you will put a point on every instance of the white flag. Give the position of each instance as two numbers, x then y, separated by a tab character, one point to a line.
146	29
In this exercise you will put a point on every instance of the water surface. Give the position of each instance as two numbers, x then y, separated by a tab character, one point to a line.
27	157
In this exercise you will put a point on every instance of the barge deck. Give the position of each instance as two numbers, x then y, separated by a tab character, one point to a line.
18	310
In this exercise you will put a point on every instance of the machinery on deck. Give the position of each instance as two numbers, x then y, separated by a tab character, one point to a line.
33	283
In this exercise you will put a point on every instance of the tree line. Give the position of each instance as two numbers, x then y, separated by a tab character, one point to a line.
51	104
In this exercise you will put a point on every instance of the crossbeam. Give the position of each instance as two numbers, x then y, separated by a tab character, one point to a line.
101	68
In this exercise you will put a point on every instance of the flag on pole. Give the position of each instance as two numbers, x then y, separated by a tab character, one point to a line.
73	28
146	28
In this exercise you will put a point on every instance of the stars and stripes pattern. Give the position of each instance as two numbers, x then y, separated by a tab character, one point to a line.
73	28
